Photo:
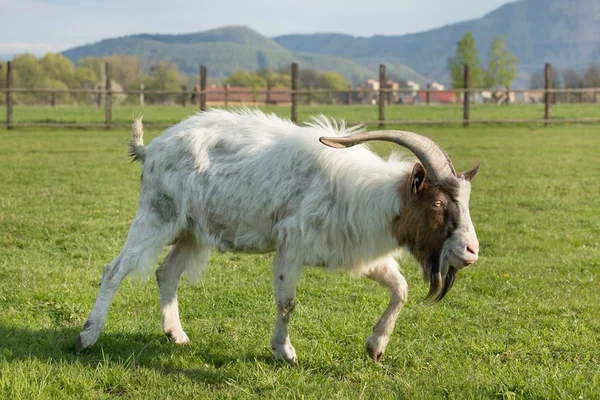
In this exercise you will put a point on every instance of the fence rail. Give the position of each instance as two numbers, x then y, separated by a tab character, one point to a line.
382	95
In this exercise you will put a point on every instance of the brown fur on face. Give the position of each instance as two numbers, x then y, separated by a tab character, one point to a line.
430	215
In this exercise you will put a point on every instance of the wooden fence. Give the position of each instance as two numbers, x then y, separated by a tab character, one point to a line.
383	94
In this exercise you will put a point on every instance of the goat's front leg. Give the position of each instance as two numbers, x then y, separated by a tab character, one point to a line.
387	273
285	280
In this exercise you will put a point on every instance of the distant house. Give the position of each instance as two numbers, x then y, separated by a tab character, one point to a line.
370	94
245	95
438	97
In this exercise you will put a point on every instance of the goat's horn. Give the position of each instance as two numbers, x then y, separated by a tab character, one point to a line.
435	160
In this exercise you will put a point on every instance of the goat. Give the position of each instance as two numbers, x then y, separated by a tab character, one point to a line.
250	182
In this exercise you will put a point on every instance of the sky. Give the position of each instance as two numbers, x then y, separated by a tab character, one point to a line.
40	26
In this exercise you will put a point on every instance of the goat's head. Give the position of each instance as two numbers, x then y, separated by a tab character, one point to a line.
435	223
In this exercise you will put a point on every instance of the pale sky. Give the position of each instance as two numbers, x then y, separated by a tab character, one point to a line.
39	26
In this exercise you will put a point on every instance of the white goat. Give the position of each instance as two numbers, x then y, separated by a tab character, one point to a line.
246	181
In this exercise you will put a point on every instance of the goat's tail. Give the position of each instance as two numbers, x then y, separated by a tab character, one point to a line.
136	144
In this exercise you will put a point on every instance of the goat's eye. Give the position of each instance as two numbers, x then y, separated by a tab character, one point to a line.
437	203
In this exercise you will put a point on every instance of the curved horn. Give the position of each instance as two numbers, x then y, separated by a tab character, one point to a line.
435	160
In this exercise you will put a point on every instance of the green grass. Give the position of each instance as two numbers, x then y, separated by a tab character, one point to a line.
123	114
523	323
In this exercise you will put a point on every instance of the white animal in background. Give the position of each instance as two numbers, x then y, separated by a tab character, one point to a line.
250	182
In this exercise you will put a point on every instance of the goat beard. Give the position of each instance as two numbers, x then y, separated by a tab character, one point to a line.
441	276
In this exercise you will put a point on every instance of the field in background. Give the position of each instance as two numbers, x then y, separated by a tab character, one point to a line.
353	113
522	323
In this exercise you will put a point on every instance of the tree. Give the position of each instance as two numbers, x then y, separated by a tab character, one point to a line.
245	79
591	77
163	76
307	77
58	68
332	81
86	78
93	63
125	69
501	65
466	53
275	79
27	73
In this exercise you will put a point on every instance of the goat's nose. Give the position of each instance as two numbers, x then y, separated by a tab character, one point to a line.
473	248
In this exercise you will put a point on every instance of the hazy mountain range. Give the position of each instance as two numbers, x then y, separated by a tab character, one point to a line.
563	32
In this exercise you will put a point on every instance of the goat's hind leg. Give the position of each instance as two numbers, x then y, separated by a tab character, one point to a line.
185	255
387	273
145	240
285	278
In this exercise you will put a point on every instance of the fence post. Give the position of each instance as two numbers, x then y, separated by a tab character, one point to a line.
507	102
294	94
428	94
9	105
547	97
108	97
381	96
203	88
309	96
349	94
99	96
53	99
268	98
141	95
184	96
227	94
466	97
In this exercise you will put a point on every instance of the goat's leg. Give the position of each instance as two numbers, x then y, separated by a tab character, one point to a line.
285	280
185	254
144	242
387	273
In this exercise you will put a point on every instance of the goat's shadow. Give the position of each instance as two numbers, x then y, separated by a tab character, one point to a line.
56	346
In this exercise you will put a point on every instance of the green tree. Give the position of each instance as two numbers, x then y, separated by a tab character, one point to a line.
163	76
93	63
125	69
502	65
332	81
275	79
27	73
466	53
308	77
245	79
86	77
58	68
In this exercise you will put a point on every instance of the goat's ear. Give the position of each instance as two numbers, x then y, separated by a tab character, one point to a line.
417	178
470	174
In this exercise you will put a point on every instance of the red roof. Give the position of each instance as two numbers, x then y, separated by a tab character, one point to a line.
238	94
442	96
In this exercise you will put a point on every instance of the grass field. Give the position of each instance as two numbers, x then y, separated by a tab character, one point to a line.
523	323
155	114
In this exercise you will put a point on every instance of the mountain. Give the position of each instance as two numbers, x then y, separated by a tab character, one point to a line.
564	33
224	50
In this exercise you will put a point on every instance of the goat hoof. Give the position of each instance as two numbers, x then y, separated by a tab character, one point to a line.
81	345
177	338
376	347
285	353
